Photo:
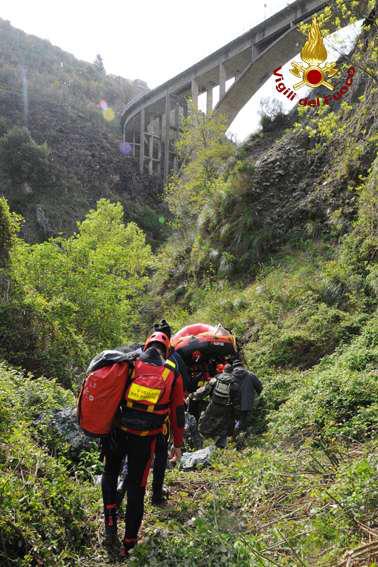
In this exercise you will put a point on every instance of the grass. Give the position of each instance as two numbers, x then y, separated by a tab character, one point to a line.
265	506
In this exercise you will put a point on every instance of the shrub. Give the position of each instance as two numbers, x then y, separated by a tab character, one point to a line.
45	513
22	160
338	398
60	315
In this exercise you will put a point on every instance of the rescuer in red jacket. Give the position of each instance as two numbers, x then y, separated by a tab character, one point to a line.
154	392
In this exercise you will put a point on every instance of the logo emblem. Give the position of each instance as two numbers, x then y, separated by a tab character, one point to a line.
314	73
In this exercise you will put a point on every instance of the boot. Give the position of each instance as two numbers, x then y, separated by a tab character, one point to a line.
221	442
241	441
110	519
127	544
160	497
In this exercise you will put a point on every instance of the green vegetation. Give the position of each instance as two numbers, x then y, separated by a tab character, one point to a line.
277	240
9	226
69	298
60	139
46	508
22	160
267	507
202	150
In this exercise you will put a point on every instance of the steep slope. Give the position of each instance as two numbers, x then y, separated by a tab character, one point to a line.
284	252
300	181
305	185
73	108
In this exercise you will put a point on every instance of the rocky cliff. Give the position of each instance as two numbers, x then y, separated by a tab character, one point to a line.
72	108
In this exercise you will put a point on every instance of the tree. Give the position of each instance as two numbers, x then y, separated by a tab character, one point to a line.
9	226
202	150
99	65
89	286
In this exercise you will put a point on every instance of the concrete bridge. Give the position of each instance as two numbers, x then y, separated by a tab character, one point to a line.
150	123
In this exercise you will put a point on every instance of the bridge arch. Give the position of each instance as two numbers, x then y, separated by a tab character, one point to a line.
151	122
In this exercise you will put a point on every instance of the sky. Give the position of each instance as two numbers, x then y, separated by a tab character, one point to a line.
149	40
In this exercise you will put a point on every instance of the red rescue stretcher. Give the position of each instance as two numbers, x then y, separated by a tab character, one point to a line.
201	341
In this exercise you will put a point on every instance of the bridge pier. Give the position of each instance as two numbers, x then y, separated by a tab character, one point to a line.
151	155
177	131
185	108
222	81
141	143
153	136
166	136
209	100
134	144
151	121
160	132
195	92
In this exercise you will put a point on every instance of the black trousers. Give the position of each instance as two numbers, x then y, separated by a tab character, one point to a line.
160	464
139	451
159	468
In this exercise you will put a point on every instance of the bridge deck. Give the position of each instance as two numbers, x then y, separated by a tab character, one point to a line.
235	56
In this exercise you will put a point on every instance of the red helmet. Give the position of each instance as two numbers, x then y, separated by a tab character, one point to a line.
219	368
158	337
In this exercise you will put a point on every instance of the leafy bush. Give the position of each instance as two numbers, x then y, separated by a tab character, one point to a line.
45	515
338	398
22	160
79	295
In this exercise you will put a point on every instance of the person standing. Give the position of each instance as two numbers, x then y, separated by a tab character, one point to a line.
154	391
232	397
159	492
249	387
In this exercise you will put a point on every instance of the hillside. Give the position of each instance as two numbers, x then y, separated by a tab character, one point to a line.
57	98
278	240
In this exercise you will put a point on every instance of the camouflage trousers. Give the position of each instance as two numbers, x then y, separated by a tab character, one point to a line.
193	439
217	421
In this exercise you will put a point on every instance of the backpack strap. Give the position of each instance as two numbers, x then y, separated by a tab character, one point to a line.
151	408
169	366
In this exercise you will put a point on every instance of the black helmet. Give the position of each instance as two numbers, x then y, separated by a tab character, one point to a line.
237	362
163	327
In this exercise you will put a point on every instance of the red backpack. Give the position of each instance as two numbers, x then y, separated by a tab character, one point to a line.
102	392
148	395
